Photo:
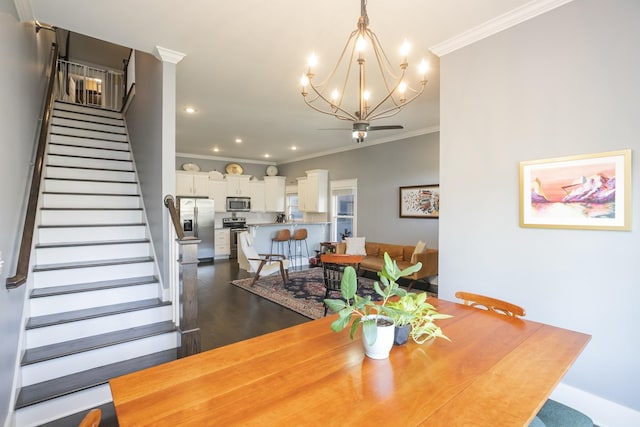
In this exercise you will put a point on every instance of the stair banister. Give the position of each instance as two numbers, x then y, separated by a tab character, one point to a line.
22	268
189	330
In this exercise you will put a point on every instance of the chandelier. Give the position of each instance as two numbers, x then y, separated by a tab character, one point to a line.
348	80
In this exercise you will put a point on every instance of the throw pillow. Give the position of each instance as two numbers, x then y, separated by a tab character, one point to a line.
355	246
420	247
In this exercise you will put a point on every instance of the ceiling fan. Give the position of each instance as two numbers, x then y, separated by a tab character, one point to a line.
361	127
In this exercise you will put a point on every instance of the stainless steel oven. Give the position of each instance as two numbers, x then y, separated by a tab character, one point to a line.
237	226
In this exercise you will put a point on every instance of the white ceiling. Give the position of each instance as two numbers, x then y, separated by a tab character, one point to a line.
244	59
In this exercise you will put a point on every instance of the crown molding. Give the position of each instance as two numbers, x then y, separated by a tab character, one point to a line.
168	55
497	24
24	9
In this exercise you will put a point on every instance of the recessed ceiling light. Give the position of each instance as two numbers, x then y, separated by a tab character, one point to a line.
216	149
238	140
293	147
189	110
267	155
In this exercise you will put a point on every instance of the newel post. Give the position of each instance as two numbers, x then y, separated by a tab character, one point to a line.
189	330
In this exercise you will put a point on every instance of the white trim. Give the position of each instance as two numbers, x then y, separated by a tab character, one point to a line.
168	55
24	9
338	184
604	413
493	26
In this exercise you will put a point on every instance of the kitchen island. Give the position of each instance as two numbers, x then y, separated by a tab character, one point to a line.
262	233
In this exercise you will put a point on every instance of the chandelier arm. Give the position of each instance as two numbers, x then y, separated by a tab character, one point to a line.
383	100
346	114
397	107
335	67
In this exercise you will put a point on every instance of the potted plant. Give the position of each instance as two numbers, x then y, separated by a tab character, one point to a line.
418	317
375	317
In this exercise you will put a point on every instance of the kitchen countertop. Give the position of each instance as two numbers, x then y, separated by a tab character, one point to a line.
284	224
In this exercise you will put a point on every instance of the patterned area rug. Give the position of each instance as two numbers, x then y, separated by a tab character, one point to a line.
303	293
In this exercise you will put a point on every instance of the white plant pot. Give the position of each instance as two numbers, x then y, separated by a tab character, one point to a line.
384	341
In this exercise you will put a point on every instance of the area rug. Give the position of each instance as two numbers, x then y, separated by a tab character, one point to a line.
303	293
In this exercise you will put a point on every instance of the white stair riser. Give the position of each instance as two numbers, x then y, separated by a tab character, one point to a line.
86	142
79	173
72	276
77	301
58	255
61	130
38	372
87	110
88	187
37	415
81	162
98	153
90	201
85	123
85	117
82	217
90	234
39	337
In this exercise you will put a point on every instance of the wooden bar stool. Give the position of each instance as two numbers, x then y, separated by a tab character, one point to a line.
283	236
299	236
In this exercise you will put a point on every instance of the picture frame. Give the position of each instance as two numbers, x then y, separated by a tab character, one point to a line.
590	191
420	201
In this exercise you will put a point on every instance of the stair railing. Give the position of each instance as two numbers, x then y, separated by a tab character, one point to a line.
24	254
90	86
188	292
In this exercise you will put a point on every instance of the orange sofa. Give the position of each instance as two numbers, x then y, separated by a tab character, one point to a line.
403	255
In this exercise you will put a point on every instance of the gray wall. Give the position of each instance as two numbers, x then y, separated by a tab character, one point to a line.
564	83
207	165
381	169
25	58
144	122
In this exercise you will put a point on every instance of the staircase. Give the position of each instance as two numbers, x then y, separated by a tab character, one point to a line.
95	305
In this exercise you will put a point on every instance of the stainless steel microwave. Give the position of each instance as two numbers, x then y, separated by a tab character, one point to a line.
238	204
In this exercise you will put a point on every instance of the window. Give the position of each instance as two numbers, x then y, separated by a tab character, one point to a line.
343	208
292	212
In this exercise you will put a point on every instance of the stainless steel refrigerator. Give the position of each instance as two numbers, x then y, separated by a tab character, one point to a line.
196	218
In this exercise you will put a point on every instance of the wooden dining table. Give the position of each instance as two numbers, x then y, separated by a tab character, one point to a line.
496	371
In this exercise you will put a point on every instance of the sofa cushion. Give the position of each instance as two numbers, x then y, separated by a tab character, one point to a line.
394	251
355	246
372	249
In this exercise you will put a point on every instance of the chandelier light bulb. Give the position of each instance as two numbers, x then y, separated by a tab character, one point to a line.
335	95
304	80
423	67
313	60
402	87
405	48
366	95
361	44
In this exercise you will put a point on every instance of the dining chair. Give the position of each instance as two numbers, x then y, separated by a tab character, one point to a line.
552	413
263	264
92	419
332	267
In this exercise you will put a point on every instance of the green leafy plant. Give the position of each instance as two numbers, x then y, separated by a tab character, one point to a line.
414	310
352	307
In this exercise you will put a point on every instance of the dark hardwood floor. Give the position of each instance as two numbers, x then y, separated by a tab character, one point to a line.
227	313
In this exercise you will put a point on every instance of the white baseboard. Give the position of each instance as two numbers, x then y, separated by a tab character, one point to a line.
604	413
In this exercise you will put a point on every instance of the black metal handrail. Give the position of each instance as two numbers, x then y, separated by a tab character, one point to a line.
24	254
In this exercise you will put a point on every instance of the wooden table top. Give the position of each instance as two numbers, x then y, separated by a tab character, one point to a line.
496	371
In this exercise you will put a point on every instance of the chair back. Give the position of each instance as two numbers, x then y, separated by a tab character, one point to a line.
491	304
283	235
300	234
333	265
92	419
246	246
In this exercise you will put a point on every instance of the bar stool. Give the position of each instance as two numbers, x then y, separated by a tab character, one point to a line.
298	236
282	236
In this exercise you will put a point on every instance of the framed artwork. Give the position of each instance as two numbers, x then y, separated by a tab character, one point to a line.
420	201
591	191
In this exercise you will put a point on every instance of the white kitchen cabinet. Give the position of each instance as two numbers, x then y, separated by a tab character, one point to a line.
192	184
257	196
274	193
312	191
218	192
222	242
238	185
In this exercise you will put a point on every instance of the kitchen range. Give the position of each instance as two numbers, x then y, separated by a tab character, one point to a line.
236	225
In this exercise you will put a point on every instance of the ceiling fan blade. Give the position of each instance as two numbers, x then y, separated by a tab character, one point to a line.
388	127
334	129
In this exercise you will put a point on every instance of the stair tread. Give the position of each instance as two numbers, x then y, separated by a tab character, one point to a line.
91	286
93	138
59	104
66	348
91	209
88	130
84	264
56	115
94	312
88	147
124	224
89	180
90	157
91	243
91	194
51	389
88	168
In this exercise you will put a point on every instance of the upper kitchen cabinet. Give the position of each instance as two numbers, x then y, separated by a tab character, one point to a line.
192	184
257	196
312	191
218	192
238	185
274	193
